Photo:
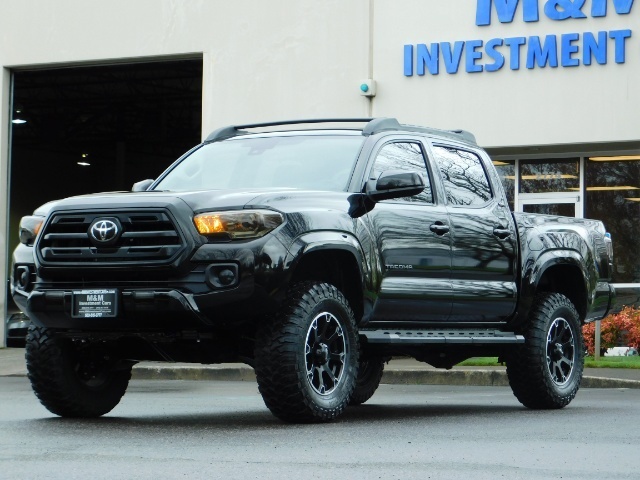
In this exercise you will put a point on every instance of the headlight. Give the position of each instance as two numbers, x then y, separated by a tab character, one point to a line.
237	224
29	228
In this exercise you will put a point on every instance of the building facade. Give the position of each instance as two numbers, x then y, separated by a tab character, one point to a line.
548	87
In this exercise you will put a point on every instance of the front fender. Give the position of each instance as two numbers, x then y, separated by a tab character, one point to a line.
326	240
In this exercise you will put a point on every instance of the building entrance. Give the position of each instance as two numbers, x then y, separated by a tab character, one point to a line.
550	186
555	203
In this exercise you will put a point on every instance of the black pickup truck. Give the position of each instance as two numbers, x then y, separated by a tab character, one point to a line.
314	253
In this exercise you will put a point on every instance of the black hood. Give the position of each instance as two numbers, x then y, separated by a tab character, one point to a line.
285	199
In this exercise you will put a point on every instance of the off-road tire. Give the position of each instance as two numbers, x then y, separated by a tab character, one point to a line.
313	334
545	372
65	383
370	373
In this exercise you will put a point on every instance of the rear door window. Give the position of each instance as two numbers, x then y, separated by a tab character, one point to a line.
465	179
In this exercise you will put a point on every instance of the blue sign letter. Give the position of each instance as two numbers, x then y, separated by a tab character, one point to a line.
542	55
408	60
568	49
473	55
620	36
430	59
495	55
594	49
506	10
570	9
514	44
452	59
599	7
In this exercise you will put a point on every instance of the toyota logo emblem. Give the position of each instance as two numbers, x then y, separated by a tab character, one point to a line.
104	231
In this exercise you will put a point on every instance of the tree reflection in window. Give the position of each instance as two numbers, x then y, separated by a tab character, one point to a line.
404	156
465	180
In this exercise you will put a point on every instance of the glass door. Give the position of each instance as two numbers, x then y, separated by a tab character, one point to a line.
550	187
567	205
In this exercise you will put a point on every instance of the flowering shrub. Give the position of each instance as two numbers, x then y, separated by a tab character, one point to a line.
620	328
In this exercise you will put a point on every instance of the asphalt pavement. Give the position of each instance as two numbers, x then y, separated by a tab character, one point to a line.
403	371
223	430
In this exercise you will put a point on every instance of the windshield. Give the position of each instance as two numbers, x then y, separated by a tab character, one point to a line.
315	162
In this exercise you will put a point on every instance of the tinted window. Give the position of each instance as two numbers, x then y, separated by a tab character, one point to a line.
404	156
465	180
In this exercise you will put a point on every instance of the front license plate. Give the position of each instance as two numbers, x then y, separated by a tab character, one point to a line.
95	303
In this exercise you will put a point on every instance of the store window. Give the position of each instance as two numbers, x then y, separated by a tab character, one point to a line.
550	175
613	196
507	171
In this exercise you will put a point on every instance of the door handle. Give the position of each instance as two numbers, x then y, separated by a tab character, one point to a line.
439	228
501	233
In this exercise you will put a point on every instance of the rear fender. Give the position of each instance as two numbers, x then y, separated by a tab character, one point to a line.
535	269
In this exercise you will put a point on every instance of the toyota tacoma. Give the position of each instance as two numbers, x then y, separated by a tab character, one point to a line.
313	251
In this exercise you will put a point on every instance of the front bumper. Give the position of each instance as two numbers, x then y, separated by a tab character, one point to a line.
152	310
152	301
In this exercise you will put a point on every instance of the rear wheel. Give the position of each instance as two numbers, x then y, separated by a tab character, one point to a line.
73	382
307	356
546	371
369	375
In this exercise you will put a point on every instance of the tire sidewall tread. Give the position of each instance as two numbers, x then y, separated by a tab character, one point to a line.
55	383
280	359
368	380
527	368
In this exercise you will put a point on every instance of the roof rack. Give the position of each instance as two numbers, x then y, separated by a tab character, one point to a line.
373	126
378	125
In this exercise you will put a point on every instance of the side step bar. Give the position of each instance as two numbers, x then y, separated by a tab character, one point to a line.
432	337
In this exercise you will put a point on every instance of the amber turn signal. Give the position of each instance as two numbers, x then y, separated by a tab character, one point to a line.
237	224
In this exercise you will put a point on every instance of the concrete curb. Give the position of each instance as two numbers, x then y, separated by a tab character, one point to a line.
206	372
600	382
482	378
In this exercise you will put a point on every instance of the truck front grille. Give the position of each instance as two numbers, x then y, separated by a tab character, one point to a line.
148	237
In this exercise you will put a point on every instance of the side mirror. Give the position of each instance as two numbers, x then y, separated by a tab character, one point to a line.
142	186
396	184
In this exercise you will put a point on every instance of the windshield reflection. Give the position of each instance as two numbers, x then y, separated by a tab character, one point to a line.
314	162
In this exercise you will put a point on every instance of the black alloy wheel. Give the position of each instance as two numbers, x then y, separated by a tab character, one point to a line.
306	357
546	372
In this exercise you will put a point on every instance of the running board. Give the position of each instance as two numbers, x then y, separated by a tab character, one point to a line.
432	337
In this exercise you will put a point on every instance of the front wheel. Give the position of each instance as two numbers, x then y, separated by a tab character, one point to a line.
73	382
307	356
546	371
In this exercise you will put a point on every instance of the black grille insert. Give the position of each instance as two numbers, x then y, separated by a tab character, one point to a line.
147	237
